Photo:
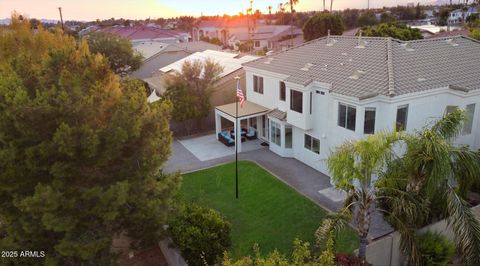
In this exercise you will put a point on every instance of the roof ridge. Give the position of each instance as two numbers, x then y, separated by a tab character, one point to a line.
391	81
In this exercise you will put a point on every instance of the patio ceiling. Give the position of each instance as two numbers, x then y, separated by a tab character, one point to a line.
248	109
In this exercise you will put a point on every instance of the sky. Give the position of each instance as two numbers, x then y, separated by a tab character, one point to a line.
135	9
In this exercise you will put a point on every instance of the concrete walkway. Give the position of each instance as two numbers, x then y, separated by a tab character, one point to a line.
294	173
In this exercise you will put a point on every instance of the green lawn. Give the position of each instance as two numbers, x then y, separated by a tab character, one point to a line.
268	212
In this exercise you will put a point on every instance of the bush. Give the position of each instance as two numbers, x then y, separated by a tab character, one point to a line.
435	249
342	259
394	30
319	25
201	234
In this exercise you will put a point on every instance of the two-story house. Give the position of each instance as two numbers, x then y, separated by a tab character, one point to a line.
338	88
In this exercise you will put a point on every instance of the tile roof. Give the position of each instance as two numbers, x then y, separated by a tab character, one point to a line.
383	66
142	32
275	113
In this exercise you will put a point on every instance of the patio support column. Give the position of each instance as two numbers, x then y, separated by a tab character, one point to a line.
218	123
238	134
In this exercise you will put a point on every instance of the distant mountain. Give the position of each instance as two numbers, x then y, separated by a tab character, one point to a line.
442	2
6	21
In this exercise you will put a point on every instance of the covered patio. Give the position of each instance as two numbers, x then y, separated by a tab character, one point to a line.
231	135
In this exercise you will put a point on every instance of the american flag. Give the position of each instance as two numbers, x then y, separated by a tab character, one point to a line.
240	95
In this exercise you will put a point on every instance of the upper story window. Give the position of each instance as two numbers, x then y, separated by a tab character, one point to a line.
312	144
369	123
258	84
283	91
347	116
296	101
450	109
467	126
402	115
257	44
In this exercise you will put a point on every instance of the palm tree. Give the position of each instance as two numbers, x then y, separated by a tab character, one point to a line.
292	4
352	166
438	174
270	10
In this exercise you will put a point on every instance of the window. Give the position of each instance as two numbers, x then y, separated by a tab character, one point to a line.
288	137
470	112
275	133
402	114
312	144
283	91
296	101
253	122
257	44
369	124
347	116
311	96
258	84
450	109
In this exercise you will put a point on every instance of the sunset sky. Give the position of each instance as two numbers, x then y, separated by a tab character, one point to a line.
93	9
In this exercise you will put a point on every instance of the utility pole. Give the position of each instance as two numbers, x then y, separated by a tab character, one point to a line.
61	17
368	4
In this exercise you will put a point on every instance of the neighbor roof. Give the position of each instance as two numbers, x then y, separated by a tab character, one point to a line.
229	61
142	32
380	65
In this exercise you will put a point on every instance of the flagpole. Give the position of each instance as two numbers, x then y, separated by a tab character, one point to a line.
236	140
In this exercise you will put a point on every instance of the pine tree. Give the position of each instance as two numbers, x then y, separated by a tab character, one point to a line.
80	152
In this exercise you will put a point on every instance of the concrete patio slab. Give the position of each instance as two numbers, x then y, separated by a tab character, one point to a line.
207	147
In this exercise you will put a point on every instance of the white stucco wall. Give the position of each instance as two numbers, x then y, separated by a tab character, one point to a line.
424	108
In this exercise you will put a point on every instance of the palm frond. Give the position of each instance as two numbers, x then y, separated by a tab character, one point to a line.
450	125
466	228
465	166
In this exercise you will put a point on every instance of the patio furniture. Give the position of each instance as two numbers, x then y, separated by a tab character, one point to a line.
251	134
243	132
225	138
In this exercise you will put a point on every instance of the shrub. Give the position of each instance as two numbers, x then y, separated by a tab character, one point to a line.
435	249
201	234
342	259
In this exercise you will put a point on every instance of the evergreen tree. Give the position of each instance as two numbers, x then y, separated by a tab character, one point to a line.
318	26
118	50
80	152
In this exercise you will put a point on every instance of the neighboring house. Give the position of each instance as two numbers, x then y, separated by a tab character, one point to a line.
451	33
146	33
271	37
224	91
308	100
456	16
158	54
232	32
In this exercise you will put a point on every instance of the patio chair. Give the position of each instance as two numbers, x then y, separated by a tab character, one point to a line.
224	138
251	134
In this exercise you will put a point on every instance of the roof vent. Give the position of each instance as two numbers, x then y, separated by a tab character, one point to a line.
306	67
361	42
407	46
421	79
345	54
268	61
451	42
357	74
330	41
